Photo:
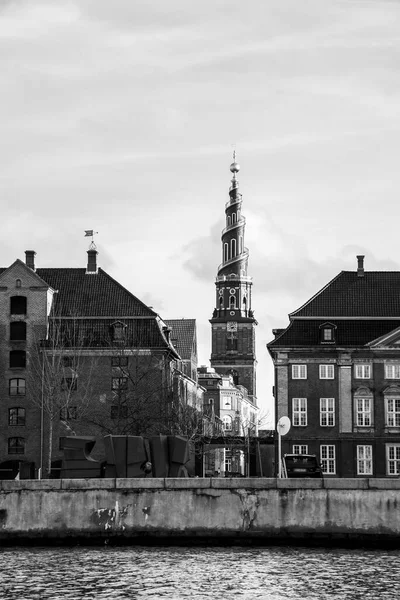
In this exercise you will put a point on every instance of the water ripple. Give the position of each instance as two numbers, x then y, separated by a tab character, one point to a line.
199	573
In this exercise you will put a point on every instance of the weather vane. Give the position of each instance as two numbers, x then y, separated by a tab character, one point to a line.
91	233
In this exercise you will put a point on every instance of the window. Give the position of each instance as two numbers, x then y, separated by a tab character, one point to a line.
299	371
393	412
363	411
227	423
327	412
118	331
119	412
16	445
326	371
327	333
362	371
119	361
233	248
16	416
16	387
18	305
68	361
393	459
233	218
227	402
119	387
18	283
299	416
18	331
392	371
232	302
231	343
68	412
226	250
364	460
17	359
328	459
300	449
69	384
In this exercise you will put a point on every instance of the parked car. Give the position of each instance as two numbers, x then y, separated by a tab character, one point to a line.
302	465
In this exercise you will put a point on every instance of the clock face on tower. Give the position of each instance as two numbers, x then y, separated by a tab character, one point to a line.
231	326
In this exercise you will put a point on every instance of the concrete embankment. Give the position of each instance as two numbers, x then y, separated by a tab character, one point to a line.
209	510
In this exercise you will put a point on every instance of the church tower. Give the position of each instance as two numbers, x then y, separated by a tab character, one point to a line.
233	323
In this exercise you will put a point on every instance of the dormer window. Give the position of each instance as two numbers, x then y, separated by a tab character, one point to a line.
327	333
118	331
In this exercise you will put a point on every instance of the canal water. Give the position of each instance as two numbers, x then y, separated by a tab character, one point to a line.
274	573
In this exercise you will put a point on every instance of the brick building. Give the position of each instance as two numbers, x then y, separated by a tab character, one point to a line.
337	375
79	354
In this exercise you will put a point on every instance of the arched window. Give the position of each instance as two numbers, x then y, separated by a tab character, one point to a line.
240	244
233	218
227	422
16	416
18	331
233	248
17	359
16	445
221	301
18	305
232	302
226	250
228	220
18	283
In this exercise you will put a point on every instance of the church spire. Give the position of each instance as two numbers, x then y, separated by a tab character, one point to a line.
234	254
233	322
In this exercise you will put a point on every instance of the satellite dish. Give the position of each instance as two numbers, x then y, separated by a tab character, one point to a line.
283	425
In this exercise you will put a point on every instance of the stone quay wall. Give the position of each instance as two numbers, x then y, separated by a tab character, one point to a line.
209	510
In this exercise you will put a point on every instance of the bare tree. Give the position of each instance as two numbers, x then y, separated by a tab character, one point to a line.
61	379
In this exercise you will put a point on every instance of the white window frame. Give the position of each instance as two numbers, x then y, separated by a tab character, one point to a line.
300	449
299	371
392	370
327	334
299	412
393	460
364	460
363	411
362	371
227	423
328	459
327	412
327	371
392	410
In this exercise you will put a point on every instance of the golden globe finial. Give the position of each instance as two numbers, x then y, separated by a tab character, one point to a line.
235	167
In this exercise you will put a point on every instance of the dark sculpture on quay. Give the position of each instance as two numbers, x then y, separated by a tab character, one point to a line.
127	456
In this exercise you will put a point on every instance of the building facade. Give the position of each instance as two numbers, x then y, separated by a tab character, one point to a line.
337	375
80	355
233	323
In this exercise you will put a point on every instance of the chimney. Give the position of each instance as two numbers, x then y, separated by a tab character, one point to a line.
30	259
92	261
360	266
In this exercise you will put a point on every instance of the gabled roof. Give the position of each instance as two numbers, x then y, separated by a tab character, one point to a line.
375	294
92	294
183	336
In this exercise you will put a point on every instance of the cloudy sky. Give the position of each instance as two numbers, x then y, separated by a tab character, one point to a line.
120	116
